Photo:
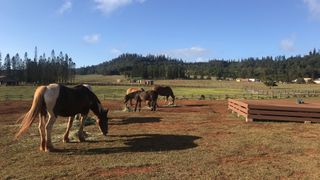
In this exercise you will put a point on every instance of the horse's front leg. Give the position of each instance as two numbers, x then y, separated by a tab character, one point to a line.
66	134
135	107
80	132
173	98
139	106
48	129
42	132
167	99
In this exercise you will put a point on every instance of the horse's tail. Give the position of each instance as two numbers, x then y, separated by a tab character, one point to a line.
36	108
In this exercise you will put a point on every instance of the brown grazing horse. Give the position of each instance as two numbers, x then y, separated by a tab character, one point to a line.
57	100
130	96
131	90
150	96
165	91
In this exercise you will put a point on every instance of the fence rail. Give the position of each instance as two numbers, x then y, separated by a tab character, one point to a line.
257	95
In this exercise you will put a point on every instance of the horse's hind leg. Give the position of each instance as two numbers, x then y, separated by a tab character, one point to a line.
42	132
130	102
80	132
66	134
48	129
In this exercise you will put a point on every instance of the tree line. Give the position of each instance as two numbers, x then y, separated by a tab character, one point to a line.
279	68
42	70
134	65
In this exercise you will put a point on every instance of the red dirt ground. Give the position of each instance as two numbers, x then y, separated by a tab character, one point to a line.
214	120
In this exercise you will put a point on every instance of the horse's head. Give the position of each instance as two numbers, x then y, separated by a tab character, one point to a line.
103	121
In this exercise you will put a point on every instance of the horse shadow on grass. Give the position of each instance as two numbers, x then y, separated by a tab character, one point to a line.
142	143
135	120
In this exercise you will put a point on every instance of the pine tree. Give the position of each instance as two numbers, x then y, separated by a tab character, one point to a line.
0	63
7	65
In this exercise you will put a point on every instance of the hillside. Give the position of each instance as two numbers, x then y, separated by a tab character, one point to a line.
278	68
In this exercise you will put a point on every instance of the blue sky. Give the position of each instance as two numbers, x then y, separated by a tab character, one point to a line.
93	31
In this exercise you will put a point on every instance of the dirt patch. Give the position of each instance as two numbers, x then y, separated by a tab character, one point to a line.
122	171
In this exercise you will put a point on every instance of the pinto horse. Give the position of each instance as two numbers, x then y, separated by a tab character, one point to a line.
71	118
165	91
57	100
131	90
150	96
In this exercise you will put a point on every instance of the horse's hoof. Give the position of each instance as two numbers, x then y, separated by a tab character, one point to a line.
82	139
49	150
66	140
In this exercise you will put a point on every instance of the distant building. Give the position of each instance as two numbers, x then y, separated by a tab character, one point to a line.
307	79
317	81
6	81
149	82
253	80
242	80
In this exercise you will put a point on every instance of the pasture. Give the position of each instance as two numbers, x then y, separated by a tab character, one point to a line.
183	89
195	140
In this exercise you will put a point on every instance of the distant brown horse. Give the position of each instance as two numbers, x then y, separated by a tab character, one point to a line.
165	91
57	100
131	90
150	96
134	89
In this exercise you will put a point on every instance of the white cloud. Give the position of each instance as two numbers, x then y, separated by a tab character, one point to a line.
314	7
66	6
92	39
108	6
115	51
288	44
194	53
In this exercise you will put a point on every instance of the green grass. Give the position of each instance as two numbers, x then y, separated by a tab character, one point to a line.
191	89
95	78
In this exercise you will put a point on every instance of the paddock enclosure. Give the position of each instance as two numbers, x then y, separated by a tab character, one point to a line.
196	139
276	110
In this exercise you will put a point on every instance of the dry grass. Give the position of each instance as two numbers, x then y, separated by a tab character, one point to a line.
193	140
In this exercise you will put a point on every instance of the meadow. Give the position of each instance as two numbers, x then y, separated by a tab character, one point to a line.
183	89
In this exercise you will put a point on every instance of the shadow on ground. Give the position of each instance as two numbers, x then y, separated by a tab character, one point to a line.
135	120
141	143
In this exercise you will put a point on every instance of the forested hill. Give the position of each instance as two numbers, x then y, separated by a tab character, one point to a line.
277	68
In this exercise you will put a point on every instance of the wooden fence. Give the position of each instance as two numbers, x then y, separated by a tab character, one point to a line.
275	110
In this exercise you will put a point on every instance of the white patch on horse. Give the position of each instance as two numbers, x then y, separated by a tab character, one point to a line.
51	96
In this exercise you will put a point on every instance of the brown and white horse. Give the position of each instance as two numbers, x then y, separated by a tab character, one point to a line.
57	100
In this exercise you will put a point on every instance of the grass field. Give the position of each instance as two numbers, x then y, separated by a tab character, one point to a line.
195	140
191	89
